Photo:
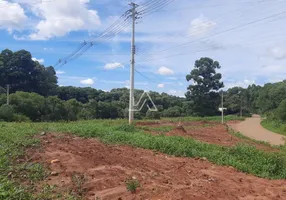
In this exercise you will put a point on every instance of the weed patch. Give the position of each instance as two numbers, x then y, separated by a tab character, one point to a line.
132	185
274	126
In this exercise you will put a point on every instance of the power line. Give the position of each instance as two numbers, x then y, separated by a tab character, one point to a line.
207	49
222	32
223	5
145	76
110	32
197	29
155	7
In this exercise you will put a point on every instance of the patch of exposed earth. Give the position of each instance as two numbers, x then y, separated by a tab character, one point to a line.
105	168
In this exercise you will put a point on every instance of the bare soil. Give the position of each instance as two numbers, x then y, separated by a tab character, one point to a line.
205	131
105	169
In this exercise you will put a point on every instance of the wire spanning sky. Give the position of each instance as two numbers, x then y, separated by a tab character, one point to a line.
248	38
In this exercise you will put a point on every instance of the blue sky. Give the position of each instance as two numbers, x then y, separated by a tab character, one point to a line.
248	38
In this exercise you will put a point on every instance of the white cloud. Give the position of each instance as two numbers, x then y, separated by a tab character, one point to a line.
161	85
12	16
10	31
272	69
278	53
60	72
180	83
111	66
41	60
241	83
59	18
48	49
165	71
200	26
88	81
177	93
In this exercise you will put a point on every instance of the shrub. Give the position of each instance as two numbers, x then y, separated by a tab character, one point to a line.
132	185
280	112
153	115
21	118
6	113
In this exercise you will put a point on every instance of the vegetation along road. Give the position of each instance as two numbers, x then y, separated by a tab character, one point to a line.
252	128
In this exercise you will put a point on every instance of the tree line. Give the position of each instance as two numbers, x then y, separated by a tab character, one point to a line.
36	96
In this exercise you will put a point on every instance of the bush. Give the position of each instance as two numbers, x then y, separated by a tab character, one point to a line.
280	112
28	104
153	115
175	111
2	90
6	113
21	118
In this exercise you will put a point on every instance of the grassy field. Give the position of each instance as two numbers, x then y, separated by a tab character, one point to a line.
274	126
215	118
16	137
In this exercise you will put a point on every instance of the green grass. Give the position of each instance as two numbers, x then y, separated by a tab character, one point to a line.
242	157
274	126
15	137
214	118
163	129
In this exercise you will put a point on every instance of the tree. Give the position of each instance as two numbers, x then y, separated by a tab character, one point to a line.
175	111
73	108
270	96
207	82
28	104
6	113
252	93
280	112
2	90
23	74
153	115
54	109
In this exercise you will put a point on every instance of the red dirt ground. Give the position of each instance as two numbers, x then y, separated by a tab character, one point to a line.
206	131
161	177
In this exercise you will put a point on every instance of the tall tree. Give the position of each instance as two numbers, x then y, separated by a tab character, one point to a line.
206	83
23	74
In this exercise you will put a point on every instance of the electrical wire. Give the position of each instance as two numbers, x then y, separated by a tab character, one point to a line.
110	32
224	5
222	32
155	8
113	30
198	28
145	76
213	48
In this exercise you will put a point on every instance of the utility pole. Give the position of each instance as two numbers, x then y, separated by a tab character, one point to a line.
240	107
132	63
8	93
222	109
240	97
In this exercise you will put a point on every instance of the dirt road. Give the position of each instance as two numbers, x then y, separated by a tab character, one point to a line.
252	128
